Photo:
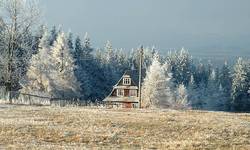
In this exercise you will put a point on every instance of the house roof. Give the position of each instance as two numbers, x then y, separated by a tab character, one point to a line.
134	75
122	99
127	73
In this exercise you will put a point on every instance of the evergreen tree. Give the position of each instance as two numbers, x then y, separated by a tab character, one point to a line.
110	70
85	67
78	52
53	35
62	71
201	74
70	41
38	81
110	56
225	81
195	93
182	96
37	37
225	78
181	64
212	93
156	87
87	49
240	86
134	57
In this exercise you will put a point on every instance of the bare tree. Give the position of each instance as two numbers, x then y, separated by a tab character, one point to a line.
19	19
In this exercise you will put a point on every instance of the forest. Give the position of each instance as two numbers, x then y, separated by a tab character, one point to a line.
40	60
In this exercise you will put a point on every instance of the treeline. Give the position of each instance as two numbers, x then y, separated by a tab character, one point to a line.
60	65
176	81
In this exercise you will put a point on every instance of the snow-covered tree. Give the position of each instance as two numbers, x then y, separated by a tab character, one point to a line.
37	80
134	59
70	41
195	93
87	48
65	84
240	86
225	78
156	86
122	62
87	67
181	62
53	35
223	100
211	99
20	18
110	56
201	74
181	96
225	81
37	37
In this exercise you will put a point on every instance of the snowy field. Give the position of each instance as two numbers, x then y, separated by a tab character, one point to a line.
28	127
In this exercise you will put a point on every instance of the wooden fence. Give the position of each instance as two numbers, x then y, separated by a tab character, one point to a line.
33	99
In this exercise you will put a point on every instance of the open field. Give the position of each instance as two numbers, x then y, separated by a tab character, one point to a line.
27	127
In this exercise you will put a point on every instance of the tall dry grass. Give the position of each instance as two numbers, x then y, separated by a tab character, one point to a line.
30	127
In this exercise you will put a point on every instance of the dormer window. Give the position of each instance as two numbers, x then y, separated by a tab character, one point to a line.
126	81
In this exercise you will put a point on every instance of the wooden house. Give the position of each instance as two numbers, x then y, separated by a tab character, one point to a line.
124	93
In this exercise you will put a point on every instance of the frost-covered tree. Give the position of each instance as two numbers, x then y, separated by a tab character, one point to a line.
38	80
240	86
20	18
134	59
195	93
53	35
110	70
225	78
78	49
181	63
211	99
70	41
181	96
87	48
201	74
223	100
2	51
122	62
37	37
156	86
65	84
148	55
88	71
110	56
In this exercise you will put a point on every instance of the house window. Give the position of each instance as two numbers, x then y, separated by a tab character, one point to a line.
133	93
126	81
120	92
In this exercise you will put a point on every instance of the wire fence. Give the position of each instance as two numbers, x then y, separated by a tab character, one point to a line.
17	98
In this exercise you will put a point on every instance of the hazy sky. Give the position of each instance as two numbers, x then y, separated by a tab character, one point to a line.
199	25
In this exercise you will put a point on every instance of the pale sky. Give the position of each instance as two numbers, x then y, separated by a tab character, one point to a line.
202	26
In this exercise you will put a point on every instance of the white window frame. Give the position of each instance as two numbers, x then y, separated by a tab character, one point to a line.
133	93
120	92
126	81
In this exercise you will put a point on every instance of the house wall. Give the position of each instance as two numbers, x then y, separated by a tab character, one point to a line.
123	105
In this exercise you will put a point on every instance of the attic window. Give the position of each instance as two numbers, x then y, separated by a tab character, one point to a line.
126	81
